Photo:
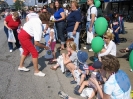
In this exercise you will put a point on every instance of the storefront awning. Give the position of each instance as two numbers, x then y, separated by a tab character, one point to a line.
115	0
82	1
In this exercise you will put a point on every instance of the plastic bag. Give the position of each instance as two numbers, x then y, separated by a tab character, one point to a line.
11	37
48	54
77	76
89	37
61	63
87	92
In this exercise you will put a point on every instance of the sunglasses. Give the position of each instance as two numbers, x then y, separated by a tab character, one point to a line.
105	38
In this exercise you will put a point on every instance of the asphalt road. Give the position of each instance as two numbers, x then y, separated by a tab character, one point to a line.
24	85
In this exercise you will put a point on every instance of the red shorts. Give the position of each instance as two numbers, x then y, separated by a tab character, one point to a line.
52	45
27	45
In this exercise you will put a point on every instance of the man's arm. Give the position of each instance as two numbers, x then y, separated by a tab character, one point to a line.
92	21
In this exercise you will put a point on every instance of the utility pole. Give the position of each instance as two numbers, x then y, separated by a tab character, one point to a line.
36	5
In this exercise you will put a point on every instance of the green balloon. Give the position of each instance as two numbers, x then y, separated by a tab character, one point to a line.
97	3
131	60
101	20
101	26
97	44
95	0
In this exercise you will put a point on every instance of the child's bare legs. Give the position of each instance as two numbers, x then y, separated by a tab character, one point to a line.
85	83
54	57
70	67
82	79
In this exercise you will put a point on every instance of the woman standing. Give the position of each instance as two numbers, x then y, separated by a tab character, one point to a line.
12	22
73	23
59	16
32	28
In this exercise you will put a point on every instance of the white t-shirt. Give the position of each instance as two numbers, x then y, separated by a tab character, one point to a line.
52	30
48	30
93	11
110	49
118	86
34	28
32	15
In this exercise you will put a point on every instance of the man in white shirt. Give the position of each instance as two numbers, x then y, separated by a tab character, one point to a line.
91	17
32	28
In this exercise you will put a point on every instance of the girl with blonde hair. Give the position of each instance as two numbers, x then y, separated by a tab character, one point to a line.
69	59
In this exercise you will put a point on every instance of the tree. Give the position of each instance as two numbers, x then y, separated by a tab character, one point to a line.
18	4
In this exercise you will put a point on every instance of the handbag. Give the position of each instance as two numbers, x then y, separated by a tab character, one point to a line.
89	37
48	54
11	37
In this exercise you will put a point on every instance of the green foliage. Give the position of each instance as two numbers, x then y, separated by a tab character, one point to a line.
19	4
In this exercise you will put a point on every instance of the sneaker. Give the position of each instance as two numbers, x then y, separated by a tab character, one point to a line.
41	74
68	74
76	92
63	95
90	50
23	69
11	51
77	88
84	48
131	70
21	51
73	82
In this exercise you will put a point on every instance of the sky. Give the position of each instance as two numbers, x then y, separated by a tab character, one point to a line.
30	2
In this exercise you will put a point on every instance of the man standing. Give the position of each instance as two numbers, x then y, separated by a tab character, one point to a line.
91	17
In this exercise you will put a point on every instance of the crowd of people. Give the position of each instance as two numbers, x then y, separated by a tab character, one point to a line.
103	78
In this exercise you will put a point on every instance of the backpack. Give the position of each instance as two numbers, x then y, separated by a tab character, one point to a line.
90	11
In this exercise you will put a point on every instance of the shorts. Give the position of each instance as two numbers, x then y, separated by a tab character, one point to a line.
52	45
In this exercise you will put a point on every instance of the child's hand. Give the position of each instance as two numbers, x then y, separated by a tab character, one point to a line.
63	54
68	53
49	42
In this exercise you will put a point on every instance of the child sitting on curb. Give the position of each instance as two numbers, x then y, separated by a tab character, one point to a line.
96	67
82	68
69	59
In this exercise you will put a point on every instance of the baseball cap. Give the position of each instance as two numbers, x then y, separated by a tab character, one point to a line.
82	56
96	65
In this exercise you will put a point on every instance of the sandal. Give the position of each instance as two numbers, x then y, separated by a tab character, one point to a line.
123	50
52	62
53	68
59	48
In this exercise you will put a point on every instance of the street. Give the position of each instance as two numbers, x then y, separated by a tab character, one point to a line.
24	85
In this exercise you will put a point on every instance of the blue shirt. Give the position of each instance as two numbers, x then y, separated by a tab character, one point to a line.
73	17
57	14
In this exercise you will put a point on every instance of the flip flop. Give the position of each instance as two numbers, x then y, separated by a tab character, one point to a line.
52	62
123	50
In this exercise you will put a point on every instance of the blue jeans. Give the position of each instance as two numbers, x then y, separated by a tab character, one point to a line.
122	29
75	37
88	26
116	38
60	27
37	48
46	38
130	47
10	44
